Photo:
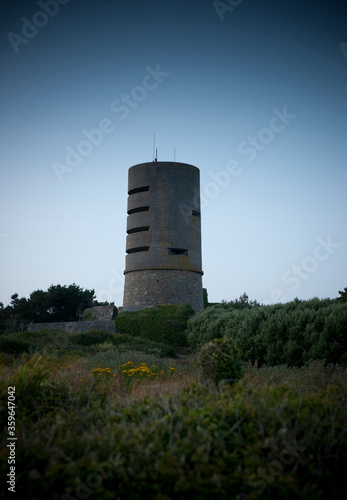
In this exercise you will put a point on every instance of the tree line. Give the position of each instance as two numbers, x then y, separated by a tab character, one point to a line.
57	303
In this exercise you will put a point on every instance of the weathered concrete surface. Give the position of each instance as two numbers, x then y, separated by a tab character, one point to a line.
163	262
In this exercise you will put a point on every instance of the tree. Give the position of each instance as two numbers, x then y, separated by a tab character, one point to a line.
205	297
67	303
19	306
343	295
242	302
38	310
3	316
58	303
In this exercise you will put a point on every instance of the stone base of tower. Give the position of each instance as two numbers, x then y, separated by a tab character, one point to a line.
152	287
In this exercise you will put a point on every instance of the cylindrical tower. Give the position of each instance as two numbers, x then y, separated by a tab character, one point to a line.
163	246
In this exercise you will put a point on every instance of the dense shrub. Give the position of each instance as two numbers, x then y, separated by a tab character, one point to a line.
127	322
165	324
129	342
49	337
14	346
220	361
37	392
61	343
278	433
88	315
291	333
92	337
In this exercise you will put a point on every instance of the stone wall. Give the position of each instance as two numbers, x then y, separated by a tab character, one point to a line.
100	312
75	326
149	288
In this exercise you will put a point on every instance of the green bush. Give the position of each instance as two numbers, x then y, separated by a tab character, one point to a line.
220	361
49	337
60	343
37	392
291	333
14	346
166	324
92	337
127	322
128	342
259	438
88	315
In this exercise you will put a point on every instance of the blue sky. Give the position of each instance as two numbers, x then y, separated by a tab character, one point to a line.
255	96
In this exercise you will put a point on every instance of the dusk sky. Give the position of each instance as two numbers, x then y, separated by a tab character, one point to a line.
253	93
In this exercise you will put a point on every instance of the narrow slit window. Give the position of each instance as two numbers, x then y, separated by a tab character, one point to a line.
196	213
178	251
138	249
138	209
138	229
138	190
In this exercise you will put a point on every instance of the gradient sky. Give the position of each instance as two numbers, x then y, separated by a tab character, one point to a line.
274	204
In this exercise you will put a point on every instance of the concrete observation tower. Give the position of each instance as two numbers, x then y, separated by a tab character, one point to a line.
163	245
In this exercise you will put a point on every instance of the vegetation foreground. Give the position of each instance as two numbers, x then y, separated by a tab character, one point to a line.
131	425
257	409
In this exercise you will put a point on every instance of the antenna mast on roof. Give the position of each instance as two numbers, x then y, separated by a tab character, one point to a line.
156	155
153	145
